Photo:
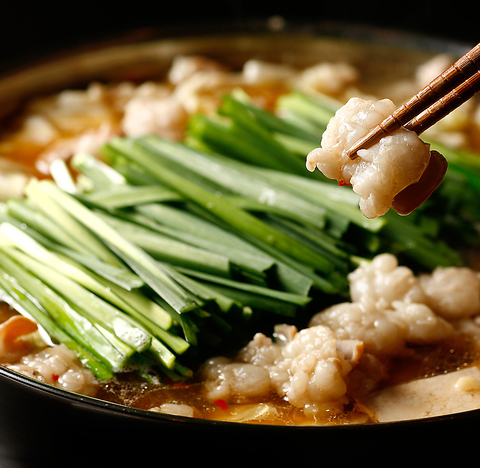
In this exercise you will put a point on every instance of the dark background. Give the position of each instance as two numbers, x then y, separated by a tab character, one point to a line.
29	32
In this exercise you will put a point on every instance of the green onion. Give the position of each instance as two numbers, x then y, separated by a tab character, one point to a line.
12	294
167	251
242	222
81	237
97	310
142	263
72	322
239	179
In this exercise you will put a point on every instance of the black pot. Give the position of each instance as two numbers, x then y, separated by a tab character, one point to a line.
41	425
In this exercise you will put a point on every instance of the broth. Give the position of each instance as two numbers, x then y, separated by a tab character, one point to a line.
423	362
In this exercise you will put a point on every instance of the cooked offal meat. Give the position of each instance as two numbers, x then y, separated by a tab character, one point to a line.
379	173
348	347
305	367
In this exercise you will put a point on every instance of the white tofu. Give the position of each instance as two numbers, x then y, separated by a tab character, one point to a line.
454	392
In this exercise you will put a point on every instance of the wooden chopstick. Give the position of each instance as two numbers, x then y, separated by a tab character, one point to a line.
441	96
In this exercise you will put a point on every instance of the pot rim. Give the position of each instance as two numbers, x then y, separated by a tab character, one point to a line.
272	26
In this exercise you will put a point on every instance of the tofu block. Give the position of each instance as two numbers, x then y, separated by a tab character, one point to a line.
454	392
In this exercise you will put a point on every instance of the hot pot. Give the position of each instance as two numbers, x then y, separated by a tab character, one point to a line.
41	425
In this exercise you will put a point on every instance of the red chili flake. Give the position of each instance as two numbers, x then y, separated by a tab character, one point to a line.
221	403
55	377
342	183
